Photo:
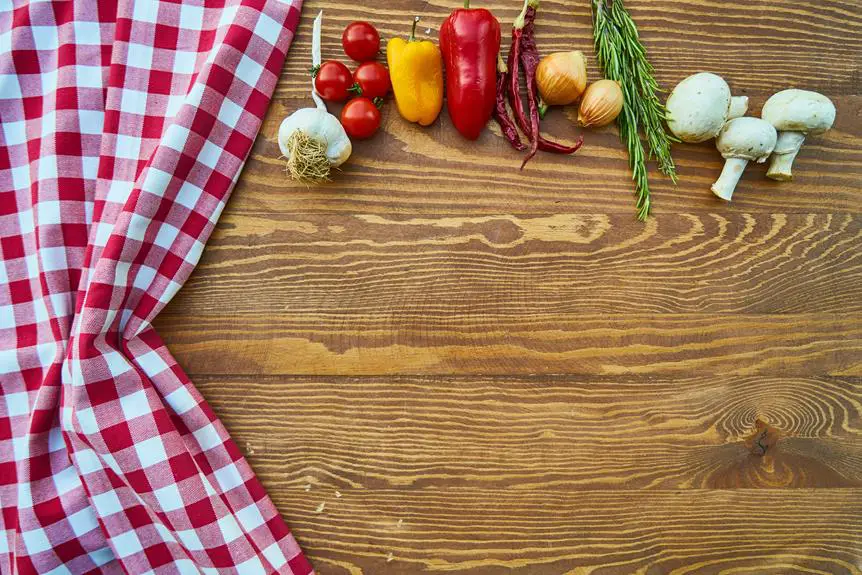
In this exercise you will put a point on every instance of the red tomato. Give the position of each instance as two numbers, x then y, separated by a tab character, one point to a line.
361	41
360	118
333	80
373	80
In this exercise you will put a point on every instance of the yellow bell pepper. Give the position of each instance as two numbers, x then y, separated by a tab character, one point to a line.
416	70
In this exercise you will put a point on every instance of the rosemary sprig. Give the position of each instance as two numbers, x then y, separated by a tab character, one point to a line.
622	57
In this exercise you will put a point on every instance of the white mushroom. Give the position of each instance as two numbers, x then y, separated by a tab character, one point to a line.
700	105
795	114
740	141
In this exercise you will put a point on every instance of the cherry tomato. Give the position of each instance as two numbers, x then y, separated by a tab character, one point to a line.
361	41
373	80
360	118
332	81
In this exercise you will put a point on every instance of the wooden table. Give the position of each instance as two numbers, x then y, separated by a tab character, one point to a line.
440	364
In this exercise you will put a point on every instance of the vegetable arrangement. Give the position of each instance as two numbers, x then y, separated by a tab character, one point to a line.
481	81
312	140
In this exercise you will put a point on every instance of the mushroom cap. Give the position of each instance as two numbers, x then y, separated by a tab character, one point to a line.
698	106
799	111
747	138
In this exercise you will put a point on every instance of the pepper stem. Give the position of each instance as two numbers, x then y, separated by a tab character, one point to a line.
543	108
467	4
412	37
501	64
519	21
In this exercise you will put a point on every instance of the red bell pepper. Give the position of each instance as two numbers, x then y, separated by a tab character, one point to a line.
470	42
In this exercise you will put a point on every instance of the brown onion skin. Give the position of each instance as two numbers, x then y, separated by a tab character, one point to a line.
601	104
562	77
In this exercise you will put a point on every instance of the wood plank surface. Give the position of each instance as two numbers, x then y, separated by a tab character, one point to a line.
543	432
562	263
532	342
497	532
438	363
759	47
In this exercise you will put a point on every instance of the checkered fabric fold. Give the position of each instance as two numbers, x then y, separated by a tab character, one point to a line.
123	128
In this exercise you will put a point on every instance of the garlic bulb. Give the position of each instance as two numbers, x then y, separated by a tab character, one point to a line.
601	104
317	124
311	139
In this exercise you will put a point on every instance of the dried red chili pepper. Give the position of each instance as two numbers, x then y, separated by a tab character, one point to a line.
529	55
557	148
513	83
524	52
501	114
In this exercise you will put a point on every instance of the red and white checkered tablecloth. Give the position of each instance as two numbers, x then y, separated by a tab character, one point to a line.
123	128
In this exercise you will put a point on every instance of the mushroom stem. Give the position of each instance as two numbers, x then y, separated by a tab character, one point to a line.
785	152
738	107
730	174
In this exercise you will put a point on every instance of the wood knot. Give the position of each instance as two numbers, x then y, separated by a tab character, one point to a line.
763	438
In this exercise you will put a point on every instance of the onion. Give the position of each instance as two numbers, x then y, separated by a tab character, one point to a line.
601	104
562	77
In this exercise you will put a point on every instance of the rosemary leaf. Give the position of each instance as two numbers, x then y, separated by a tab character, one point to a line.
622	57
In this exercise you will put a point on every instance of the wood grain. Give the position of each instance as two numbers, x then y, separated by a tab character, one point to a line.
438	363
422	341
503	531
543	433
505	265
